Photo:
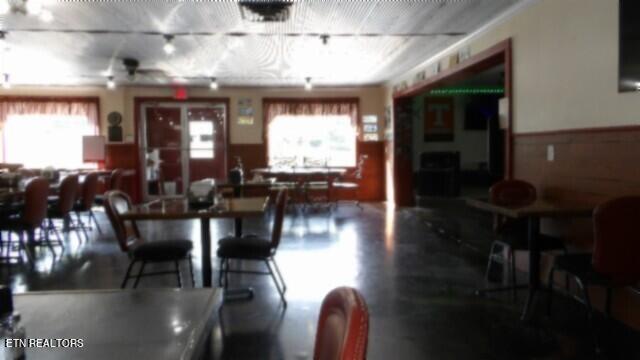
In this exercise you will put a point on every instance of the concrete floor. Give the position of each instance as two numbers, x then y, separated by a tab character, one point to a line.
417	269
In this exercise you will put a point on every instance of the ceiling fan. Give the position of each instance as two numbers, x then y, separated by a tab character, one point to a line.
135	72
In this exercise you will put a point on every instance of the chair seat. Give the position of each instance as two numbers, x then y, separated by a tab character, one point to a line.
317	185
345	185
579	265
247	247
99	200
545	242
165	250
79	207
15	223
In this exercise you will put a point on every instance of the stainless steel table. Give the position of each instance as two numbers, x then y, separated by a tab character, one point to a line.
121	324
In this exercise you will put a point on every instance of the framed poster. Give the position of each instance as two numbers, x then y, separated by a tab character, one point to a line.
245	111
438	119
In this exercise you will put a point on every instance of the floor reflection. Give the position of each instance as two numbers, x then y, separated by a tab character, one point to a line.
418	285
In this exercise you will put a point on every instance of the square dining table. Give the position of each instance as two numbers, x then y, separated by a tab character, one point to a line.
533	213
181	209
120	324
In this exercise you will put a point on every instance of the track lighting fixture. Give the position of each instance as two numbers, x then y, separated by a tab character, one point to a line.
6	81
111	83
308	85
213	85
168	47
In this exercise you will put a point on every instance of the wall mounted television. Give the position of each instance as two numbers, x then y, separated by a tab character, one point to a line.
629	69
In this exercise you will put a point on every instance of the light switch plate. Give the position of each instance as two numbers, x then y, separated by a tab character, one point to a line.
551	153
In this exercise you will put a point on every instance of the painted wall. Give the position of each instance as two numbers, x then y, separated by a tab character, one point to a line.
472	144
565	65
122	100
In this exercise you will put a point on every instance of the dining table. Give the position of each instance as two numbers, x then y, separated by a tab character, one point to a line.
119	324
303	172
182	209
541	208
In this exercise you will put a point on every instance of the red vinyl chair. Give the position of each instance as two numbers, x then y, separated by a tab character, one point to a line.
513	232
31	217
343	327
114	183
84	205
60	208
615	257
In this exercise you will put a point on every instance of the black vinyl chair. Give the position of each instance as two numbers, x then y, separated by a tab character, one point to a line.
252	247
144	252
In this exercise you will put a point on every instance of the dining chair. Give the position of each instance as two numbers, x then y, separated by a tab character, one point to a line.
60	207
114	183
255	248
138	249
512	233
351	182
84	204
30	217
614	260
316	187
343	326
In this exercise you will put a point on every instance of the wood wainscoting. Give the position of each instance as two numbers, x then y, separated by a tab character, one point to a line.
125	156
590	165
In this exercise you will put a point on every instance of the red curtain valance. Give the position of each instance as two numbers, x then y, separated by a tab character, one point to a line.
277	107
87	108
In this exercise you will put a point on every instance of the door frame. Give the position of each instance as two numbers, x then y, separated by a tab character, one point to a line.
138	101
500	53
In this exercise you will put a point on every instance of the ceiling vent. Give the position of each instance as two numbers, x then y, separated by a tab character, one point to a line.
265	11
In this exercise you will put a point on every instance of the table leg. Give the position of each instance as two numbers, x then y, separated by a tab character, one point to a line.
205	236
534	265
238	227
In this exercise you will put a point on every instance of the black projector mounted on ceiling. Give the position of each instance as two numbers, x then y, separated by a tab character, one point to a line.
265	11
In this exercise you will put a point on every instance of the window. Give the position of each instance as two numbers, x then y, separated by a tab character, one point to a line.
312	140
39	141
202	142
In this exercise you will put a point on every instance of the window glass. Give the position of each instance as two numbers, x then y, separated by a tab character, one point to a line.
39	141
312	141
202	143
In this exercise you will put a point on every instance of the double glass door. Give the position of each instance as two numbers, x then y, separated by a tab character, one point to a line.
181	143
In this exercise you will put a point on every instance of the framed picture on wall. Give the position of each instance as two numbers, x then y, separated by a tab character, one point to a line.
438	119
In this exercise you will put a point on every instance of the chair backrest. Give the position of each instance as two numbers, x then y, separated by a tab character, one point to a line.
281	205
117	202
68	193
616	250
343	327
115	179
512	193
88	191
36	195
